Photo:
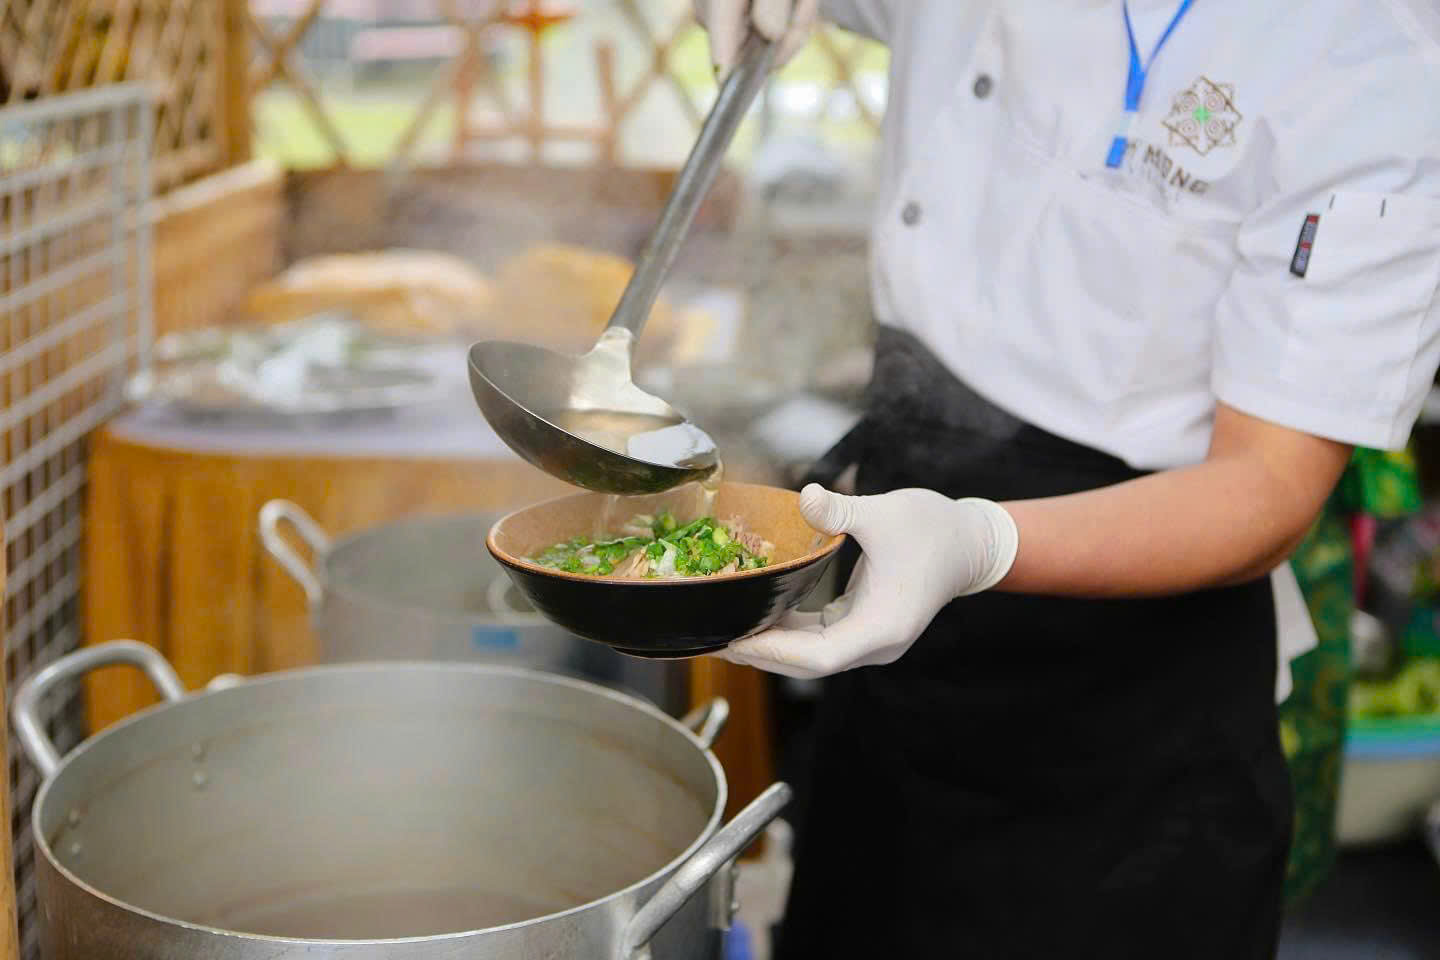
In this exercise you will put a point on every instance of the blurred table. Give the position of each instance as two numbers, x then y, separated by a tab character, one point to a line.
1377	904
173	556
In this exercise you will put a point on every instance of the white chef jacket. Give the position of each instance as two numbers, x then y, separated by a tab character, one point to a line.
1113	306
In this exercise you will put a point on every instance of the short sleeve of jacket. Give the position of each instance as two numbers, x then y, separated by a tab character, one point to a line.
870	18
1348	350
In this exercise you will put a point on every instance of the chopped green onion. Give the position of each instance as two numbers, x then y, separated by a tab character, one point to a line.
699	548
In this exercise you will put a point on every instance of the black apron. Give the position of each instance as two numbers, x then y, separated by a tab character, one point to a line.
1039	776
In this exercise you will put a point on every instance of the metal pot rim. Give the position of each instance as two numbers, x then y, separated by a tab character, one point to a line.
333	589
338	544
42	843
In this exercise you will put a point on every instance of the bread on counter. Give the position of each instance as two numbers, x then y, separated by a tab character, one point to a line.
404	292
562	296
555	295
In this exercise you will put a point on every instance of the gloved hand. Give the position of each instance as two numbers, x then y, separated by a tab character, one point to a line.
786	22
921	550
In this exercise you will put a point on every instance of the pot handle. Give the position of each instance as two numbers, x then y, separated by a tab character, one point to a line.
271	514
224	681
694	873
26	710
707	721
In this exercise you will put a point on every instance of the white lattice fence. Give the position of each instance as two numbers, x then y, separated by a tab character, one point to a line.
486	109
74	319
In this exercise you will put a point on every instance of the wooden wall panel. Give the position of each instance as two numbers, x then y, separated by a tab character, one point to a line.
214	240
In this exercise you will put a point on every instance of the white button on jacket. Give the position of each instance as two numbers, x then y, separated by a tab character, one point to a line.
1113	306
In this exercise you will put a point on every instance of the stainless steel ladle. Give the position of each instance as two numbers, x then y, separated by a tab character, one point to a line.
582	419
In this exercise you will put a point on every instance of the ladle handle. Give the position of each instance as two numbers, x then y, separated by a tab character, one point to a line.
693	183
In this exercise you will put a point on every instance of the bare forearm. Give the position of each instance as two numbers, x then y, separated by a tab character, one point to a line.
1165	533
1232	518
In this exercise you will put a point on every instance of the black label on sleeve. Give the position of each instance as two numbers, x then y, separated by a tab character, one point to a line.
1301	261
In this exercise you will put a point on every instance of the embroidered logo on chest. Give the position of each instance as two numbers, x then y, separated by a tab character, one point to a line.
1203	117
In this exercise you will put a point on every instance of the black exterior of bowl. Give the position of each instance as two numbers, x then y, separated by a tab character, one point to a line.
670	619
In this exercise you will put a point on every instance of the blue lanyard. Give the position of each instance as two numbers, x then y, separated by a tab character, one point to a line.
1135	84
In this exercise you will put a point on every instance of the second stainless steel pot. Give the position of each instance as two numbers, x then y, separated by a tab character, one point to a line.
425	588
397	811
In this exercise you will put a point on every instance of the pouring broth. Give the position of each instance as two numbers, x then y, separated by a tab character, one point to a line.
662	440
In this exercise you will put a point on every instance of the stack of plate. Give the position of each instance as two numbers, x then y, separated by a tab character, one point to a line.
326	367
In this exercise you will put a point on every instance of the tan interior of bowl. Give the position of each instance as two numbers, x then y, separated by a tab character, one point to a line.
772	512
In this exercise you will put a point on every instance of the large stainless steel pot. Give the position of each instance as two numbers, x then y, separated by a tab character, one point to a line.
427	589
397	811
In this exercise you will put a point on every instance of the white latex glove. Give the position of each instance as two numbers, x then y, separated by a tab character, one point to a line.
921	550
786	22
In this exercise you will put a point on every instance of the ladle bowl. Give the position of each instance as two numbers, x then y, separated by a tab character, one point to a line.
536	400
582	419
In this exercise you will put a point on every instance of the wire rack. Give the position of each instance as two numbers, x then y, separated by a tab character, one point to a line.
75	305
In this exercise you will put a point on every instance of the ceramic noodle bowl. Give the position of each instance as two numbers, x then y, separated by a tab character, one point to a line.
680	617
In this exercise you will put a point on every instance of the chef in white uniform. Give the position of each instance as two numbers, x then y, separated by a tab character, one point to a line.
1144	274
